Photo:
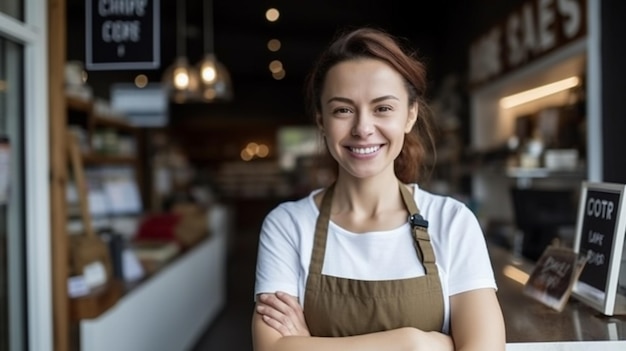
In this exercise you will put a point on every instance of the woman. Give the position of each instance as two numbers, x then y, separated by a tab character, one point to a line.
343	268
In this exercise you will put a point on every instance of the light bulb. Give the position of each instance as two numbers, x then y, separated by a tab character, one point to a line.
214	79
208	71
181	78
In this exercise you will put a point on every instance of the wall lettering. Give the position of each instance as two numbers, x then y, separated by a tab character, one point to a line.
535	29
485	55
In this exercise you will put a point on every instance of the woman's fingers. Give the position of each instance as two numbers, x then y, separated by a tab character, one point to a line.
279	326
289	300
296	313
283	312
269	311
275	302
276	319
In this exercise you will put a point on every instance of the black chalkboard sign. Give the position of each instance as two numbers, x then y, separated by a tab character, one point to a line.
553	277
122	34
600	228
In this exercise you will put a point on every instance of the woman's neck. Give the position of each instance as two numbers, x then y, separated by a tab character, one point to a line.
366	198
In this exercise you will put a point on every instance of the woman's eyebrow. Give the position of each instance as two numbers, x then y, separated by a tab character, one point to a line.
386	97
339	99
378	99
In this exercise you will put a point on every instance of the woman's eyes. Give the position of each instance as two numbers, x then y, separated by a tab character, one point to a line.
342	110
377	109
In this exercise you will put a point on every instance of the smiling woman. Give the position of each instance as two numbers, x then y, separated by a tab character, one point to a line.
365	115
344	268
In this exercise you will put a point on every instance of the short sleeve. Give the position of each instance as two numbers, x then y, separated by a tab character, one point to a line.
470	265
278	257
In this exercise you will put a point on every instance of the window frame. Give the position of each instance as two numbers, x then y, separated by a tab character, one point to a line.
32	33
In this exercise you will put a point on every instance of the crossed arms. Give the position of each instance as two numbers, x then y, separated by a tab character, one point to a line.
278	324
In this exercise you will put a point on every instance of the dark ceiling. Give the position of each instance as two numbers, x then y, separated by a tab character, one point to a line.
438	30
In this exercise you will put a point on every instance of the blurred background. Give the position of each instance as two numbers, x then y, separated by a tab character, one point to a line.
190	122
267	108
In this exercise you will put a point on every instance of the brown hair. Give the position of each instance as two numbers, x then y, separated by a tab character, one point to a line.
375	43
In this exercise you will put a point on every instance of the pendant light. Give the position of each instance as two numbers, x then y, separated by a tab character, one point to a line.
215	83
181	79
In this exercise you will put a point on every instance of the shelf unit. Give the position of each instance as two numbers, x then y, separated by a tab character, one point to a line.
82	117
64	111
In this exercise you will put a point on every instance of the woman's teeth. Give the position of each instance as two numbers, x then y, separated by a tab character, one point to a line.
365	150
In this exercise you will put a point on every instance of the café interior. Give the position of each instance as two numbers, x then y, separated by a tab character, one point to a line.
529	115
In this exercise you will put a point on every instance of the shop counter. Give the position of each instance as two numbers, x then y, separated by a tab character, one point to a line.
172	308
531	325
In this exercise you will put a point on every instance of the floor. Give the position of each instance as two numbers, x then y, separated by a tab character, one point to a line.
231	329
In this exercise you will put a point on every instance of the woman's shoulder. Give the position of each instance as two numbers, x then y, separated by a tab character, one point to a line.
440	202
291	219
296	207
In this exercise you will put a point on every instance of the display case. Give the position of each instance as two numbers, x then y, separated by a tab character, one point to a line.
495	127
531	121
173	307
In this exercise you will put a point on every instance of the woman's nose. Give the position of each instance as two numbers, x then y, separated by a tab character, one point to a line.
363	125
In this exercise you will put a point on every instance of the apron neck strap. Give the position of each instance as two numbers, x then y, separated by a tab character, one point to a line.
419	229
321	232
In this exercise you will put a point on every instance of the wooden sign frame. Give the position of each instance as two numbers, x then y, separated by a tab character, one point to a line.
600	230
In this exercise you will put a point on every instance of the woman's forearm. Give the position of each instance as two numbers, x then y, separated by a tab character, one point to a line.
403	339
392	340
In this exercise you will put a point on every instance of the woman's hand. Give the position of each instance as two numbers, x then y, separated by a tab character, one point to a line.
282	312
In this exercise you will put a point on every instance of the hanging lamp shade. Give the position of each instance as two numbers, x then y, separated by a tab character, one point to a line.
180	78
214	83
214	80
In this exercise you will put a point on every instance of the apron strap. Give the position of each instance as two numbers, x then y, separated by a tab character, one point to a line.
419	228
321	232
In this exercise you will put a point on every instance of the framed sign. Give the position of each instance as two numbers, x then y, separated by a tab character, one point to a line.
122	35
553	277
599	237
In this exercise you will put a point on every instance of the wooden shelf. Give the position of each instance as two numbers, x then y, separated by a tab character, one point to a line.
97	302
81	114
102	160
79	104
579	172
117	123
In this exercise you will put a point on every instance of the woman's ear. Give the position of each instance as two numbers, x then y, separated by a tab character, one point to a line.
412	118
319	122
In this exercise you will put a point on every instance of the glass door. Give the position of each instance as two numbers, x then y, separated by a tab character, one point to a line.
25	308
12	248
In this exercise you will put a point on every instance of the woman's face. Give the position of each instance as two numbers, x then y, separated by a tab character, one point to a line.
365	115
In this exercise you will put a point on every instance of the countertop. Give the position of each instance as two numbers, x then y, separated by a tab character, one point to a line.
531	325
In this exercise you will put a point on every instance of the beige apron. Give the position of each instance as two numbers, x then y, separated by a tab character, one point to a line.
343	307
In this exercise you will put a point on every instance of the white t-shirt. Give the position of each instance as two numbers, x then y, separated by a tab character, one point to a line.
286	243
